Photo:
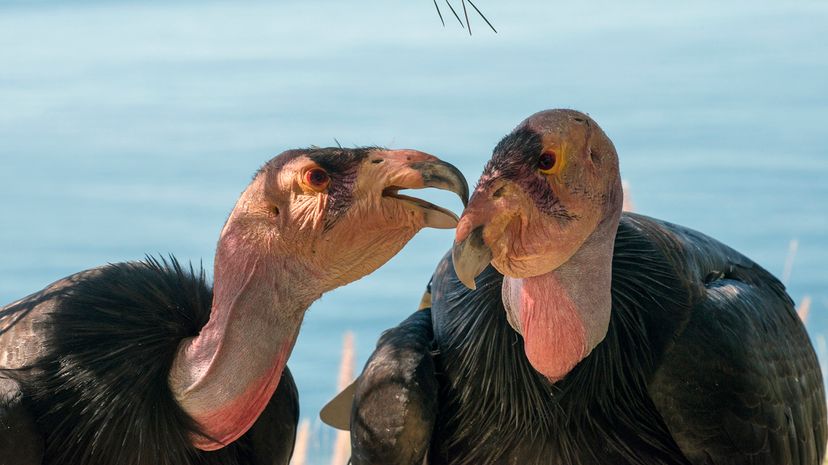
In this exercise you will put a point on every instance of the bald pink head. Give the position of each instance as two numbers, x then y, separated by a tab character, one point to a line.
310	221
544	213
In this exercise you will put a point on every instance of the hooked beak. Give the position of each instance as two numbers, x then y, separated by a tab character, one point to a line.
471	253
411	169
470	256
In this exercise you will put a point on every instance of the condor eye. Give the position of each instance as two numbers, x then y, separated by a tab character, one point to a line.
546	162
317	178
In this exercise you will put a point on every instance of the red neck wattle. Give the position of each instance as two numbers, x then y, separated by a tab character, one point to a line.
553	330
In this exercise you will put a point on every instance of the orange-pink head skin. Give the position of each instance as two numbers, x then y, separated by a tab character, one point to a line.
310	221
544	214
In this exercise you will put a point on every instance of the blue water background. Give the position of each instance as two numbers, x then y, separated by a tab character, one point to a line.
129	128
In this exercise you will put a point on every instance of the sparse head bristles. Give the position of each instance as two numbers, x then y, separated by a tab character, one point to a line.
314	153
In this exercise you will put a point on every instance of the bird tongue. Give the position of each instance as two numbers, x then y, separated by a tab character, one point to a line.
553	330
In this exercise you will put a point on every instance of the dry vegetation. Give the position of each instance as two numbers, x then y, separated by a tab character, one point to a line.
342	442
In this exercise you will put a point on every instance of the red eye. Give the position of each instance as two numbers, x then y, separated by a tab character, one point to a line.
317	178
546	161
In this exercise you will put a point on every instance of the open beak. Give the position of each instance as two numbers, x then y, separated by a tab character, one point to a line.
411	169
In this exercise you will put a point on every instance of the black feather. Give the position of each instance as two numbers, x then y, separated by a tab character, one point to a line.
100	393
602	401
705	362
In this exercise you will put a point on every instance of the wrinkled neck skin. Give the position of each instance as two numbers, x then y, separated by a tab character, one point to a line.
562	315
224	377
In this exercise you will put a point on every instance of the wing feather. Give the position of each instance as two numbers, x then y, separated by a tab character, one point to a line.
395	401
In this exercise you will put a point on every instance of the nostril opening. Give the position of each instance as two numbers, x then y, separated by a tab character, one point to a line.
377	161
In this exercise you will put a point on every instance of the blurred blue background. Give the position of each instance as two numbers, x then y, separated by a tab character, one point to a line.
129	127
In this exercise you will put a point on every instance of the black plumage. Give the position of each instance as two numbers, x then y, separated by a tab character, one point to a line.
705	362
140	364
99	395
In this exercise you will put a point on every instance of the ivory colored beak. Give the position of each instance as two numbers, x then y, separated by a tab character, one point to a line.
418	170
470	253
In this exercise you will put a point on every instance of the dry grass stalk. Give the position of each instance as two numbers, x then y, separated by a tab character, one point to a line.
342	444
804	308
346	365
628	203
300	449
789	261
